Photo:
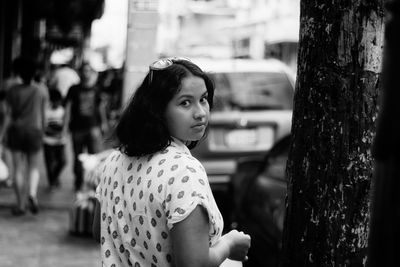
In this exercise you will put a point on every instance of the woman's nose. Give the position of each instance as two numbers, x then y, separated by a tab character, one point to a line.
200	111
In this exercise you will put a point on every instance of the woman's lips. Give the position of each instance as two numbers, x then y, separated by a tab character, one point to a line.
199	126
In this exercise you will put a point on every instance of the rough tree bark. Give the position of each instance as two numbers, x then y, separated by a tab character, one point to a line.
330	164
385	219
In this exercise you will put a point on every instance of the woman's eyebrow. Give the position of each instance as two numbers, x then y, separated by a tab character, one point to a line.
191	95
185	96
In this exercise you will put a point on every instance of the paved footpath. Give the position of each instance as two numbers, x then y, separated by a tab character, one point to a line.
44	240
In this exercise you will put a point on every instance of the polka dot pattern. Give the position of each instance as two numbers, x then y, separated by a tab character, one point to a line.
143	197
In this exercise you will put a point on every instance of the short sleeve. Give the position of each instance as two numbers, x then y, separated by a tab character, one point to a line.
184	191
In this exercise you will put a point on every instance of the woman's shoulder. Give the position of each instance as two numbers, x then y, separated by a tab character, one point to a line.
174	152
179	159
114	155
14	89
115	162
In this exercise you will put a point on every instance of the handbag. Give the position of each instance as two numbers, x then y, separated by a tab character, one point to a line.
4	173
82	214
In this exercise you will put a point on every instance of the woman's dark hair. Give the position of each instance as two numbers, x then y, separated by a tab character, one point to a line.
142	128
55	95
27	69
17	65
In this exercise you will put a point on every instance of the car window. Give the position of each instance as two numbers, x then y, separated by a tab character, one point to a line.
252	91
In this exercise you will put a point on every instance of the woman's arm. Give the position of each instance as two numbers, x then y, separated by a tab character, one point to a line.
7	119
96	222
45	106
103	114
191	245
67	117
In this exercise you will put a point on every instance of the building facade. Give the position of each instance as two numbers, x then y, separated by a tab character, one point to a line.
230	28
35	28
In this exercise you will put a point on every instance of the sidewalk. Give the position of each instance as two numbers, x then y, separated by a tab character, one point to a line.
44	240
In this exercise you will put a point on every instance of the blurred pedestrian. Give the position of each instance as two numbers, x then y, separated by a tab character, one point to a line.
13	79
54	138
157	207
111	86
86	118
26	102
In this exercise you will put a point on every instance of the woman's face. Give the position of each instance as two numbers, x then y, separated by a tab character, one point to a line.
188	111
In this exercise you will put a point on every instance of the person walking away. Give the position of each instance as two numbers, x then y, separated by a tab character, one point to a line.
156	207
54	138
86	118
26	103
12	80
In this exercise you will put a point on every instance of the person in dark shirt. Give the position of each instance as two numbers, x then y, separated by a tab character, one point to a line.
85	117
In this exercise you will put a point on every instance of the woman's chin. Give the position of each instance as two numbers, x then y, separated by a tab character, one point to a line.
195	138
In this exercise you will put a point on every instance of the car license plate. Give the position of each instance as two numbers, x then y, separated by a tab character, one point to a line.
241	138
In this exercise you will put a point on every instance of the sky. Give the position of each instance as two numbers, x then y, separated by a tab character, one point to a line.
110	30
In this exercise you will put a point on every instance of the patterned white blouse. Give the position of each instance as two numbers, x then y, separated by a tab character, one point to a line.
141	200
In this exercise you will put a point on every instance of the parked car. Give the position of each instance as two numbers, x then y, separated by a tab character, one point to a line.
259	189
252	110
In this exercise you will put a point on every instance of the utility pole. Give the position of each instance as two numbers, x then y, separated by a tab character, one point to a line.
143	19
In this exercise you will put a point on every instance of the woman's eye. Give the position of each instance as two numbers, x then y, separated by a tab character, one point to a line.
204	99
185	103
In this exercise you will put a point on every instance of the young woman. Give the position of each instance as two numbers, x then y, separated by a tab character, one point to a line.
27	102
157	208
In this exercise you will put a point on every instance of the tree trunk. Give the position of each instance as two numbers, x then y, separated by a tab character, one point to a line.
385	219
330	165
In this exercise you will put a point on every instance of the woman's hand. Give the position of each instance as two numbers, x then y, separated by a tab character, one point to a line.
239	244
